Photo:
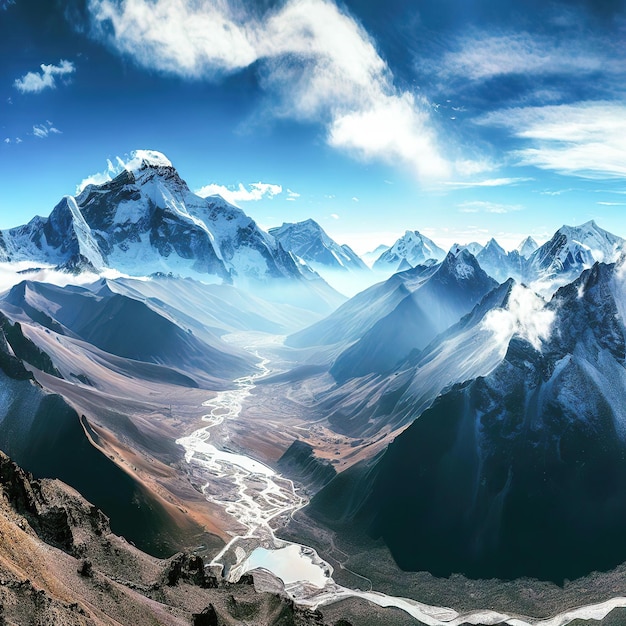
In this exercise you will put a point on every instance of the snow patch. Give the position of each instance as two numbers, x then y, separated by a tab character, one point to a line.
139	158
463	271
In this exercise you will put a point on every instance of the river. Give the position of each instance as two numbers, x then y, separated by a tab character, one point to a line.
254	494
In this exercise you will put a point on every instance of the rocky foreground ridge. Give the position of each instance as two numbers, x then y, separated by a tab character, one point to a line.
60	564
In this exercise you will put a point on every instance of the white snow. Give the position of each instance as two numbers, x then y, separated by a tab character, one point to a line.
463	270
139	158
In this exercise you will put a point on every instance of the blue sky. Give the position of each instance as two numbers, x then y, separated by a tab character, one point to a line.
464	119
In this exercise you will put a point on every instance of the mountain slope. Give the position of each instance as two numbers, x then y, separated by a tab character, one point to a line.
456	286
363	407
356	316
522	472
125	327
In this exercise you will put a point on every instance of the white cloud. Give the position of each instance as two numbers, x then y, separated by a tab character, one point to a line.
44	130
99	178
558	192
254	192
395	128
481	56
34	82
477	206
612	203
525	316
490	182
583	139
7	140
355	199
315	62
334	216
292	195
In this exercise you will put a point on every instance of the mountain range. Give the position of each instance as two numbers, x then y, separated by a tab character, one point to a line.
518	472
462	416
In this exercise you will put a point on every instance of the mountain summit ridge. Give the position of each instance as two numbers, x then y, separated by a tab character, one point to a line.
146	220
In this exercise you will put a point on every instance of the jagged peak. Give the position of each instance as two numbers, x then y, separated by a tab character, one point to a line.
462	265
492	244
527	246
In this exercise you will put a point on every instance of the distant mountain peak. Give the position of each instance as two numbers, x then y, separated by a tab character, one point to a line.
413	247
527	247
309	241
461	266
492	244
474	247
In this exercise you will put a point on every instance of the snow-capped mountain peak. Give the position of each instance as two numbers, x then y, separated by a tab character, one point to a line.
146	220
146	158
474	247
310	242
527	247
573	249
412	247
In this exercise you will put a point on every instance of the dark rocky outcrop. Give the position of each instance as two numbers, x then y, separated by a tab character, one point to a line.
188	568
300	463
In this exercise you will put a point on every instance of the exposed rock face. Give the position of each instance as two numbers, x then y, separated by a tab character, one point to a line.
16	349
500	264
60	564
188	568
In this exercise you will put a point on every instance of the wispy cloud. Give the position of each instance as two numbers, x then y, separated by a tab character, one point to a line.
99	178
481	206
557	192
5	4
45	130
583	139
489	182
35	82
480	56
292	196
251	193
612	203
315	62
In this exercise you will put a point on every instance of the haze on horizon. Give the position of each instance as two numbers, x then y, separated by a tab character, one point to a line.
500	119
